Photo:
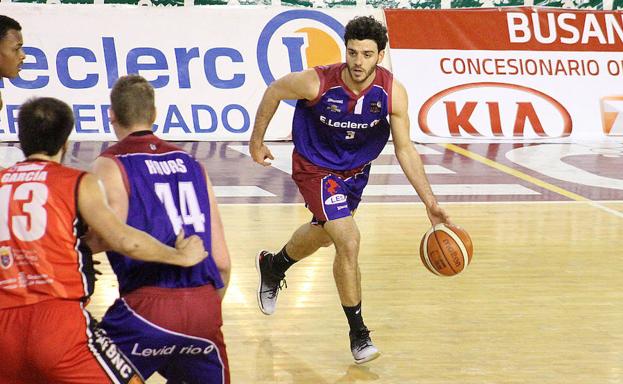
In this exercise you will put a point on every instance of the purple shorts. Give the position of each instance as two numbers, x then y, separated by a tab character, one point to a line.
329	194
174	331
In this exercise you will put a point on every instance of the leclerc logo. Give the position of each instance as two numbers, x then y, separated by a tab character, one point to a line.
612	115
494	110
306	38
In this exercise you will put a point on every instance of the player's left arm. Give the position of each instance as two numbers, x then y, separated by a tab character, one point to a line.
408	157
220	252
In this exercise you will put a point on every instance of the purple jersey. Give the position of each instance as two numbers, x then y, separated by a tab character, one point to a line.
340	130
167	190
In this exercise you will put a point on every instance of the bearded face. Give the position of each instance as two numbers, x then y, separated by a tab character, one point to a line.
362	57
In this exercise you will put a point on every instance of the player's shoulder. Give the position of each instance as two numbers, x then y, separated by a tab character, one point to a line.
384	76
113	150
330	68
329	72
58	169
170	147
142	143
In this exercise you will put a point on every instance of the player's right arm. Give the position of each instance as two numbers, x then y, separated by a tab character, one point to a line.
122	238
220	253
293	86
409	158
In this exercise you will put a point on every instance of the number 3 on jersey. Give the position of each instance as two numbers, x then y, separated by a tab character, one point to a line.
189	206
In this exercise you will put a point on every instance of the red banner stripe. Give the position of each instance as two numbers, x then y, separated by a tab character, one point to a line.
520	29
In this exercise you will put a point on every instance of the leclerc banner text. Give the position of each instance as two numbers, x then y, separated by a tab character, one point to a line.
209	66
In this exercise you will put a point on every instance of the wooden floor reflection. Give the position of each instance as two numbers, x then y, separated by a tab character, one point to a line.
542	301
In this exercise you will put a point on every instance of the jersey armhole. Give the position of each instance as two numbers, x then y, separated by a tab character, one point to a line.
76	197
124	175
321	89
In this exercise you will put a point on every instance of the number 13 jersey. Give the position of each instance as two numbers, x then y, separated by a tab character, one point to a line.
42	256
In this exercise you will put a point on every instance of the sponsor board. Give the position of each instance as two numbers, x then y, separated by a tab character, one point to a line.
209	78
477	109
513	74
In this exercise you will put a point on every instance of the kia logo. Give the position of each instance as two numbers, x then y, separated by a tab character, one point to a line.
493	109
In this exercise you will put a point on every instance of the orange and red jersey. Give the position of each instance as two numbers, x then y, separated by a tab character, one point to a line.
42	256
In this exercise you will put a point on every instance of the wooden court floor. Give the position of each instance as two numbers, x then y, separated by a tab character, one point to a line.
541	302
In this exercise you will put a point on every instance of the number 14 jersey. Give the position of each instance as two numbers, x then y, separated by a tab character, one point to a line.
167	191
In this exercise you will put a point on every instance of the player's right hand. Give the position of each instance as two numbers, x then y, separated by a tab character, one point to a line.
191	250
260	154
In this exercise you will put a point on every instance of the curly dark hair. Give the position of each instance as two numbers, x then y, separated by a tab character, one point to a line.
366	28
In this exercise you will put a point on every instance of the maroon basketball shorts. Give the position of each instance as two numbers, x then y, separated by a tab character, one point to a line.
328	194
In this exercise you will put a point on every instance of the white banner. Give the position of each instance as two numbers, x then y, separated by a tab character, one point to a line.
513	74
210	66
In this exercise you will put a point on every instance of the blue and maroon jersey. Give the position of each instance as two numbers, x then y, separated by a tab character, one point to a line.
167	190
340	130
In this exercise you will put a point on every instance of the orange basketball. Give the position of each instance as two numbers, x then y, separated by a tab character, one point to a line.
446	249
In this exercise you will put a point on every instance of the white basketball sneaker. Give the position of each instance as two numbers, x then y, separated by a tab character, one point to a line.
361	346
269	283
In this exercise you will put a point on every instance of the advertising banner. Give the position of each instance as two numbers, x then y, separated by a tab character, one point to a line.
209	66
512	74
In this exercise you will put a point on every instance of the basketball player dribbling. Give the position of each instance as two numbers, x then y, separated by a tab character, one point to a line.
340	125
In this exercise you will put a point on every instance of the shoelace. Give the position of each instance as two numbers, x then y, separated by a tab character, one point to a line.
363	339
272	292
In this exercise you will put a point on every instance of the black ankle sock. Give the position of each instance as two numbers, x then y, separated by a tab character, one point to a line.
281	262
353	314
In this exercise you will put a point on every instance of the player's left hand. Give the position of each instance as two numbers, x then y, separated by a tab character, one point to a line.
190	249
437	215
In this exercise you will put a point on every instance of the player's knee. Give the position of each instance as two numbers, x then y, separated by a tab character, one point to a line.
349	249
326	243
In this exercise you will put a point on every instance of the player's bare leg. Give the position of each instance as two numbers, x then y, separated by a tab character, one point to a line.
346	237
306	240
272	267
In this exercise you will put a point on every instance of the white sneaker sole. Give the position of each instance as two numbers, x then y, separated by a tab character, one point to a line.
368	358
259	285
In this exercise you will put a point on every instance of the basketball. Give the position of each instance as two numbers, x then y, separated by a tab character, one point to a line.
446	249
